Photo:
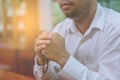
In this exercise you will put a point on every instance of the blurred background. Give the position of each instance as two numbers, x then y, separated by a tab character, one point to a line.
20	23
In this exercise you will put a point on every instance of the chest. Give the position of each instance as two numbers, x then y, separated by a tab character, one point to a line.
84	49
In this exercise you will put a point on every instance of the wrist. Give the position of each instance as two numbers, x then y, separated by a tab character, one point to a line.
63	61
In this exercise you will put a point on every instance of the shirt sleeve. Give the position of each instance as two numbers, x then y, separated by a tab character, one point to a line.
108	64
108	70
74	70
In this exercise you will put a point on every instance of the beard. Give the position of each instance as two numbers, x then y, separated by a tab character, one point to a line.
76	12
72	13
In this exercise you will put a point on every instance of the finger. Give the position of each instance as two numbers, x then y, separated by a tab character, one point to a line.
46	55
38	49
44	37
42	42
39	61
44	32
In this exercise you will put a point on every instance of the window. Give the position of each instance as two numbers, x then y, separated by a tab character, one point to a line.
18	22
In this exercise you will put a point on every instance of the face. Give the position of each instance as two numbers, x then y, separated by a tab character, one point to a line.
75	8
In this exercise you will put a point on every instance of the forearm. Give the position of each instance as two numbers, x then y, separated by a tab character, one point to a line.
74	70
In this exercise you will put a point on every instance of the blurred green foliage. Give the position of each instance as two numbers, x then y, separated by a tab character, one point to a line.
59	16
57	13
114	4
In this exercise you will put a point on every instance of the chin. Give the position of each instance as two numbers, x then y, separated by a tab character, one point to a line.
69	15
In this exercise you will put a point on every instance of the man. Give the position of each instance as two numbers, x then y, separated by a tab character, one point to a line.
92	44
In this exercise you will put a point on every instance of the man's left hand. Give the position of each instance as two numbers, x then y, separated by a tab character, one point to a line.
56	50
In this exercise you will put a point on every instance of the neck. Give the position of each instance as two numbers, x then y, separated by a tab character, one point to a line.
84	22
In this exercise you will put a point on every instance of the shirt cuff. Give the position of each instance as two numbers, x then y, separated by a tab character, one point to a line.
72	70
37	71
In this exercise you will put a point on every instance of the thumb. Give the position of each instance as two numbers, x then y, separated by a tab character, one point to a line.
45	54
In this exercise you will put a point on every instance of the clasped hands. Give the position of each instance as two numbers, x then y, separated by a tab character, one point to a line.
52	46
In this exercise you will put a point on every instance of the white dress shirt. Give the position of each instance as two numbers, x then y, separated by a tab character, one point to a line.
94	55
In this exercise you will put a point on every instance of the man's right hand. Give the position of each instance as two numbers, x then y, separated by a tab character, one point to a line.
42	41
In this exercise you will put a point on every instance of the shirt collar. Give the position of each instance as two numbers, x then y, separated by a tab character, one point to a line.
98	20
